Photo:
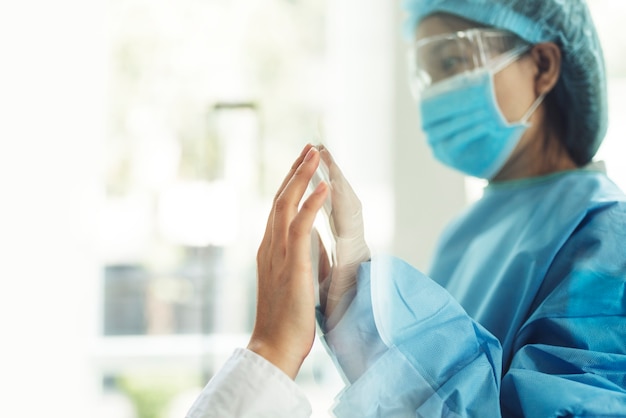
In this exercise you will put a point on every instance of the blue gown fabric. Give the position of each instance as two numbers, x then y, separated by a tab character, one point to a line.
523	315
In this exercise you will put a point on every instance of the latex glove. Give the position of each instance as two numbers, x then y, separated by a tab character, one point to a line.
284	328
346	222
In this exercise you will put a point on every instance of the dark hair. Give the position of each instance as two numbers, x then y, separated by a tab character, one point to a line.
555	121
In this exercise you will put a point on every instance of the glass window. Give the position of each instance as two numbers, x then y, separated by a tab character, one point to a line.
210	102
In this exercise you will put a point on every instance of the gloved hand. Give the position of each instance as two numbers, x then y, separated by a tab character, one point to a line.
346	222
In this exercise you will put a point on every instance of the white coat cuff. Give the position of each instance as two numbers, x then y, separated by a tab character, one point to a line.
250	386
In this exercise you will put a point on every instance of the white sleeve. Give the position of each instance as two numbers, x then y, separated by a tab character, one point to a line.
250	386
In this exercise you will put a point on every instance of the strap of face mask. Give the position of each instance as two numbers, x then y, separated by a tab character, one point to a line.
533	108
506	60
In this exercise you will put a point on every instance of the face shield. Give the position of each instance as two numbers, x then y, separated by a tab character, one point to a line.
440	58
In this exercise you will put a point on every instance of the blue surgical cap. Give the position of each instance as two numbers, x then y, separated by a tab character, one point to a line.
580	92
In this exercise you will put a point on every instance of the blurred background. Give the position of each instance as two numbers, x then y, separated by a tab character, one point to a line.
141	144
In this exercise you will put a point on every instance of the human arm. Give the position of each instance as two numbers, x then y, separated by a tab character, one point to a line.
284	327
568	357
571	320
406	348
259	381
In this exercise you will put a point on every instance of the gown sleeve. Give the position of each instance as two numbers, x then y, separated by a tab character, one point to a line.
407	348
248	386
570	355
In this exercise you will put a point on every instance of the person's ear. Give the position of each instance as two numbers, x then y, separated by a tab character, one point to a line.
547	59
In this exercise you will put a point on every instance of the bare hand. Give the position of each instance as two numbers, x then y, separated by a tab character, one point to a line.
284	329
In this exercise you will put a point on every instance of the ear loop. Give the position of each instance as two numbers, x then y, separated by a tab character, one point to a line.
533	108
508	59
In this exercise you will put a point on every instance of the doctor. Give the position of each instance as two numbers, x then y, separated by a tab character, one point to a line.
523	312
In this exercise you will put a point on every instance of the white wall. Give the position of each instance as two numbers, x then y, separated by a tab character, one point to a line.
373	129
51	131
427	194
358	122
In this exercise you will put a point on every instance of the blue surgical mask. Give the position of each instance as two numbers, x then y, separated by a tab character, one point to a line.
465	127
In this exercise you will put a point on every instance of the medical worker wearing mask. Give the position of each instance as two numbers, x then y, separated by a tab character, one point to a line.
524	310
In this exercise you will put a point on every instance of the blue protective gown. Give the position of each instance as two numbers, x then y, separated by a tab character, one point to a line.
524	313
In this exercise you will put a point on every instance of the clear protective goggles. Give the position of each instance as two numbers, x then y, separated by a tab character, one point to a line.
438	58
